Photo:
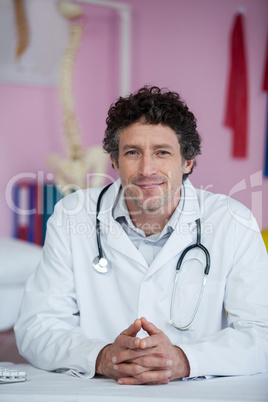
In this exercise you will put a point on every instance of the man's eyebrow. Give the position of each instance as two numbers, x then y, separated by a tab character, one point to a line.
165	146
130	146
156	146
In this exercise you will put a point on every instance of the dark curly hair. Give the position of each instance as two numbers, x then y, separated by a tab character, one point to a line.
153	105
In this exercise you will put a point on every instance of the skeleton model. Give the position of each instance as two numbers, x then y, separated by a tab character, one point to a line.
82	167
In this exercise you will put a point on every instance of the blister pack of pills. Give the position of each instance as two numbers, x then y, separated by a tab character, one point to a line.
10	376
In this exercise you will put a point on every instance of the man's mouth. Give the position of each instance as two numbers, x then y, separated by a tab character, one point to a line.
148	185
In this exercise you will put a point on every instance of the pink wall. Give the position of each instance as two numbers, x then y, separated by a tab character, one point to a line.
180	44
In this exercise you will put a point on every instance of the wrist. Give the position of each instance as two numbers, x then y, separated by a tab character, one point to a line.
183	364
101	358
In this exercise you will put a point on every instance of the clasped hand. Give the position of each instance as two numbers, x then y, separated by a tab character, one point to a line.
152	360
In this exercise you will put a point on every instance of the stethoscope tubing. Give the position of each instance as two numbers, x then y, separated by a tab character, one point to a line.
98	238
198	244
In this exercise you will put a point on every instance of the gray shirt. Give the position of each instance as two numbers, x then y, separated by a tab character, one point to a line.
148	246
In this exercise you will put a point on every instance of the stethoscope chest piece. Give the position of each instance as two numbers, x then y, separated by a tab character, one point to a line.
100	265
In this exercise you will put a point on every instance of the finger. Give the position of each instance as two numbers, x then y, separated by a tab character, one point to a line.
126	370
127	339
135	381
128	342
131	355
128	355
129	381
141	365
149	327
153	362
159	341
147	377
133	329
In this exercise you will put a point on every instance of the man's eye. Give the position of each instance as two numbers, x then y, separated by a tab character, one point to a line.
132	152
163	153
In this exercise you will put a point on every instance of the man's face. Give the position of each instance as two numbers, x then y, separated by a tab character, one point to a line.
150	166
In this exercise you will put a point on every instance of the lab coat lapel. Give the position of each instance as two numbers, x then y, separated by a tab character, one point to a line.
123	245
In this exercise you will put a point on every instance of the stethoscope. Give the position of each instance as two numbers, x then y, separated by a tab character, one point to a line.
198	244
100	264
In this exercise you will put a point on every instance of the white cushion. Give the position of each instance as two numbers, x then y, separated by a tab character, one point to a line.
18	259
10	297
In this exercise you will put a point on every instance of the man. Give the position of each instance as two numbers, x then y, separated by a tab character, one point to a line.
103	300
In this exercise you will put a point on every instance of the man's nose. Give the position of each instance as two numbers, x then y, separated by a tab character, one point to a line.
147	165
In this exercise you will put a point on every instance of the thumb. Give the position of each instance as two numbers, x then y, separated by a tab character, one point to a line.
149	327
133	329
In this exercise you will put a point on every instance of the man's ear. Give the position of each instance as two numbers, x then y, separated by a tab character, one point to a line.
114	164
188	164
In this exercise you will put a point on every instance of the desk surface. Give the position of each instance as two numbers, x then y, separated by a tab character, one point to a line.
53	387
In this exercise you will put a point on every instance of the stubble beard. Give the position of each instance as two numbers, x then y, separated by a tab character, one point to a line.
152	204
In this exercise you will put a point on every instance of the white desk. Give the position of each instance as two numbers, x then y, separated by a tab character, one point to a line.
44	386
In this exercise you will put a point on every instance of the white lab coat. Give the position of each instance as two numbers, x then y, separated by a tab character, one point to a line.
70	311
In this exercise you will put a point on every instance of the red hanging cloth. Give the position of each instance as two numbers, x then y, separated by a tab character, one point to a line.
265	88
237	102
265	76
